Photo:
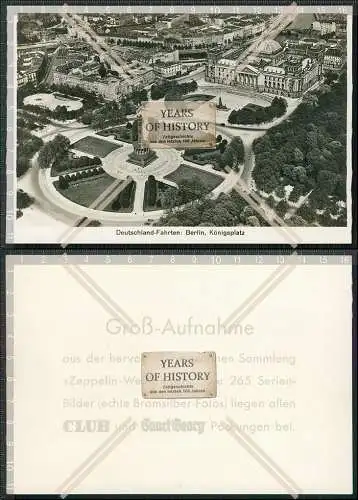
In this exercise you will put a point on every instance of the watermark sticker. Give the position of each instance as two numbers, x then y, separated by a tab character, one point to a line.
179	124
179	375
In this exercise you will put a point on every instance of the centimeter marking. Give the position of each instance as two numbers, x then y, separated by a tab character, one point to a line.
10	380
316	6
213	259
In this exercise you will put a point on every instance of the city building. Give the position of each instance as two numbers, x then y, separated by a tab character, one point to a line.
28	65
273	70
324	27
170	56
77	65
25	77
333	60
110	87
167	69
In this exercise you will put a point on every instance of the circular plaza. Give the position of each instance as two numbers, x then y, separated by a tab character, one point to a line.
97	192
51	101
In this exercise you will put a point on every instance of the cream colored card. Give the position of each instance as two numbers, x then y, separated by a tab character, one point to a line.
281	421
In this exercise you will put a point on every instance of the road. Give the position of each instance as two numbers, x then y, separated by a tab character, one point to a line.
40	45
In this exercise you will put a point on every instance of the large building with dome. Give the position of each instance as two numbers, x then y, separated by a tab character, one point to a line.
271	69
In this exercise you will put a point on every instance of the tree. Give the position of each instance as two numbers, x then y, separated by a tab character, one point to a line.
96	160
281	208
222	216
222	147
298	156
151	190
327	180
126	195
306	212
237	147
102	70
22	165
63	182
294	195
271	201
296	220
23	200
189	190
280	192
253	221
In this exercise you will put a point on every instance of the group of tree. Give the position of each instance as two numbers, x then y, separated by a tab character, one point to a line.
133	42
130	102
27	146
125	198
188	191
255	114
70	162
59	113
29	122
53	150
226	210
226	154
91	102
102	70
26	90
108	115
151	191
172	90
23	200
77	91
233	154
307	151
134	98
65	180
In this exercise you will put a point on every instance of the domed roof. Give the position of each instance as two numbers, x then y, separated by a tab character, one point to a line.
269	47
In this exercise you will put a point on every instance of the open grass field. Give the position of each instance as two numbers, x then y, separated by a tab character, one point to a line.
95	146
209	180
85	191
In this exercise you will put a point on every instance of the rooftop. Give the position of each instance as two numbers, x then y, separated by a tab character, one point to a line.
269	47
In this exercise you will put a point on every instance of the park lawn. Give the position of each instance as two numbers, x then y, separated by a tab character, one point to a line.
209	180
199	97
85	191
161	189
95	146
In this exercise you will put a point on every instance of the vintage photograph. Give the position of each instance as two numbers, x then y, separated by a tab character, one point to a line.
199	386
278	86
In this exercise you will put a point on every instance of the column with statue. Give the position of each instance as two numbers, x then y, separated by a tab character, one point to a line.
141	155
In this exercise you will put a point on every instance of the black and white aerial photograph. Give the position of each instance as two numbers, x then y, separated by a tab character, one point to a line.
278	84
